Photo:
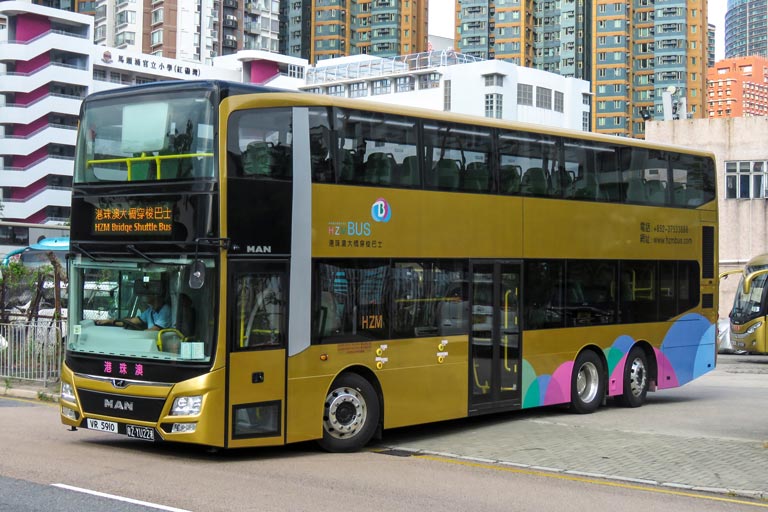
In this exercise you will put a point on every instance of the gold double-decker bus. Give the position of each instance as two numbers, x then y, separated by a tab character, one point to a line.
287	267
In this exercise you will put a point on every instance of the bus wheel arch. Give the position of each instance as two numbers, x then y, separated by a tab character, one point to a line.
639	372
352	411
588	380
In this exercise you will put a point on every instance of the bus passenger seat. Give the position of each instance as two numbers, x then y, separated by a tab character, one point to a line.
534	182
561	180
347	165
409	171
636	191
656	192
378	169
585	187
447	173
477	177
257	159
509	179
185	315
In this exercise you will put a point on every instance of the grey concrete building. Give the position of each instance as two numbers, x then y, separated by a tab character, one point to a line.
742	178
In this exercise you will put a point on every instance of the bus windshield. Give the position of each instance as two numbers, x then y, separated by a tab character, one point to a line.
748	306
146	137
141	310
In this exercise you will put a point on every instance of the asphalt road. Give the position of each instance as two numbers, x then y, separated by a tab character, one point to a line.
490	463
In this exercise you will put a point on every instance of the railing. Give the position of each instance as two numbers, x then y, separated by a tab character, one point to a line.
43	98
31	351
49	32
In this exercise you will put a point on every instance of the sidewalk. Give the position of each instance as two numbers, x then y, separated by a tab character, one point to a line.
30	390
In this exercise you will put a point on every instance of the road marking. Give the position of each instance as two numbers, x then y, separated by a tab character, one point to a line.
490	465
120	498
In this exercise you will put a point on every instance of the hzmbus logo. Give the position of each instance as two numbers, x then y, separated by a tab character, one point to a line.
381	211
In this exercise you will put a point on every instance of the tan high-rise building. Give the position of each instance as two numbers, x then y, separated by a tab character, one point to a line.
325	29
633	52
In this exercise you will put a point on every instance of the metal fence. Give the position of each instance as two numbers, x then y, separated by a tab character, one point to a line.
31	351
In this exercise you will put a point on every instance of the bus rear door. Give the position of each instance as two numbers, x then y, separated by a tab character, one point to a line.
258	308
495	337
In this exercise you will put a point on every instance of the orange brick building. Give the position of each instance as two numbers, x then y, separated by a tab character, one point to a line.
738	87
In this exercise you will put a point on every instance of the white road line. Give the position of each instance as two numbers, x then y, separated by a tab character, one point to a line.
120	498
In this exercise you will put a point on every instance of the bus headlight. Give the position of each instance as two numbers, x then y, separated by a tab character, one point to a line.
187	406
754	328
68	392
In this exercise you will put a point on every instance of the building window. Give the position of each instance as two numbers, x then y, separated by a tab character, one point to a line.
746	179
157	37
336	90
358	90
559	102
447	95
585	118
430	81
524	94
383	86
157	16
403	84
493	105
494	80
544	97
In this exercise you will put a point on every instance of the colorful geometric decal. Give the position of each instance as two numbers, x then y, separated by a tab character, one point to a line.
686	353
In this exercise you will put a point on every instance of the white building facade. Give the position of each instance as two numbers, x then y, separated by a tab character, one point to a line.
444	80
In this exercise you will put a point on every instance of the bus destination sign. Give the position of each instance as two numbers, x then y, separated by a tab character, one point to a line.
148	219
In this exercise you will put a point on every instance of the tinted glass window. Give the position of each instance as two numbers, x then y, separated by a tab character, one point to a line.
376	149
458	157
259	143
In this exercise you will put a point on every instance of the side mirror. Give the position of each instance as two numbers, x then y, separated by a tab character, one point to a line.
197	275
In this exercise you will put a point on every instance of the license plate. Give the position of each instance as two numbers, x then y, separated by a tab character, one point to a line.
146	433
104	426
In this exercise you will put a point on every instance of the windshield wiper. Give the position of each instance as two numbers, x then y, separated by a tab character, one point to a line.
134	250
94	258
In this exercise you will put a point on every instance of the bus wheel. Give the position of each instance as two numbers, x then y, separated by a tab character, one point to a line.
351	414
587	383
635	379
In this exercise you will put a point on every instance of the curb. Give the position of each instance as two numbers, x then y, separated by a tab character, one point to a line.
41	395
741	493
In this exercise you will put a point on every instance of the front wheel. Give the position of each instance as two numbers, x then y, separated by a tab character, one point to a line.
587	383
351	414
635	379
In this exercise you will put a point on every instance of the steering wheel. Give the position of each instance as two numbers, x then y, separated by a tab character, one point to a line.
138	325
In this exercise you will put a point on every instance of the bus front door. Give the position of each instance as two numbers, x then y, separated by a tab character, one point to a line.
495	337
258	309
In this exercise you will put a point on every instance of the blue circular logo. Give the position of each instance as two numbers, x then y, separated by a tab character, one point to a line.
381	211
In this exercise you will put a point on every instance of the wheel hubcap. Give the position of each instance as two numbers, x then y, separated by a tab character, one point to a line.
637	377
587	382
345	412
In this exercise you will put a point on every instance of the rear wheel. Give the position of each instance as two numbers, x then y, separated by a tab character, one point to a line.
587	383
351	414
635	379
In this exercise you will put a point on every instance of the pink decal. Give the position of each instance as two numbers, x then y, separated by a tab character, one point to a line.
123	369
667	376
559	388
616	380
107	366
139	370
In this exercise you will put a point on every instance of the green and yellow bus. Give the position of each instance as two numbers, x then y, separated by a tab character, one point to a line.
749	315
333	268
